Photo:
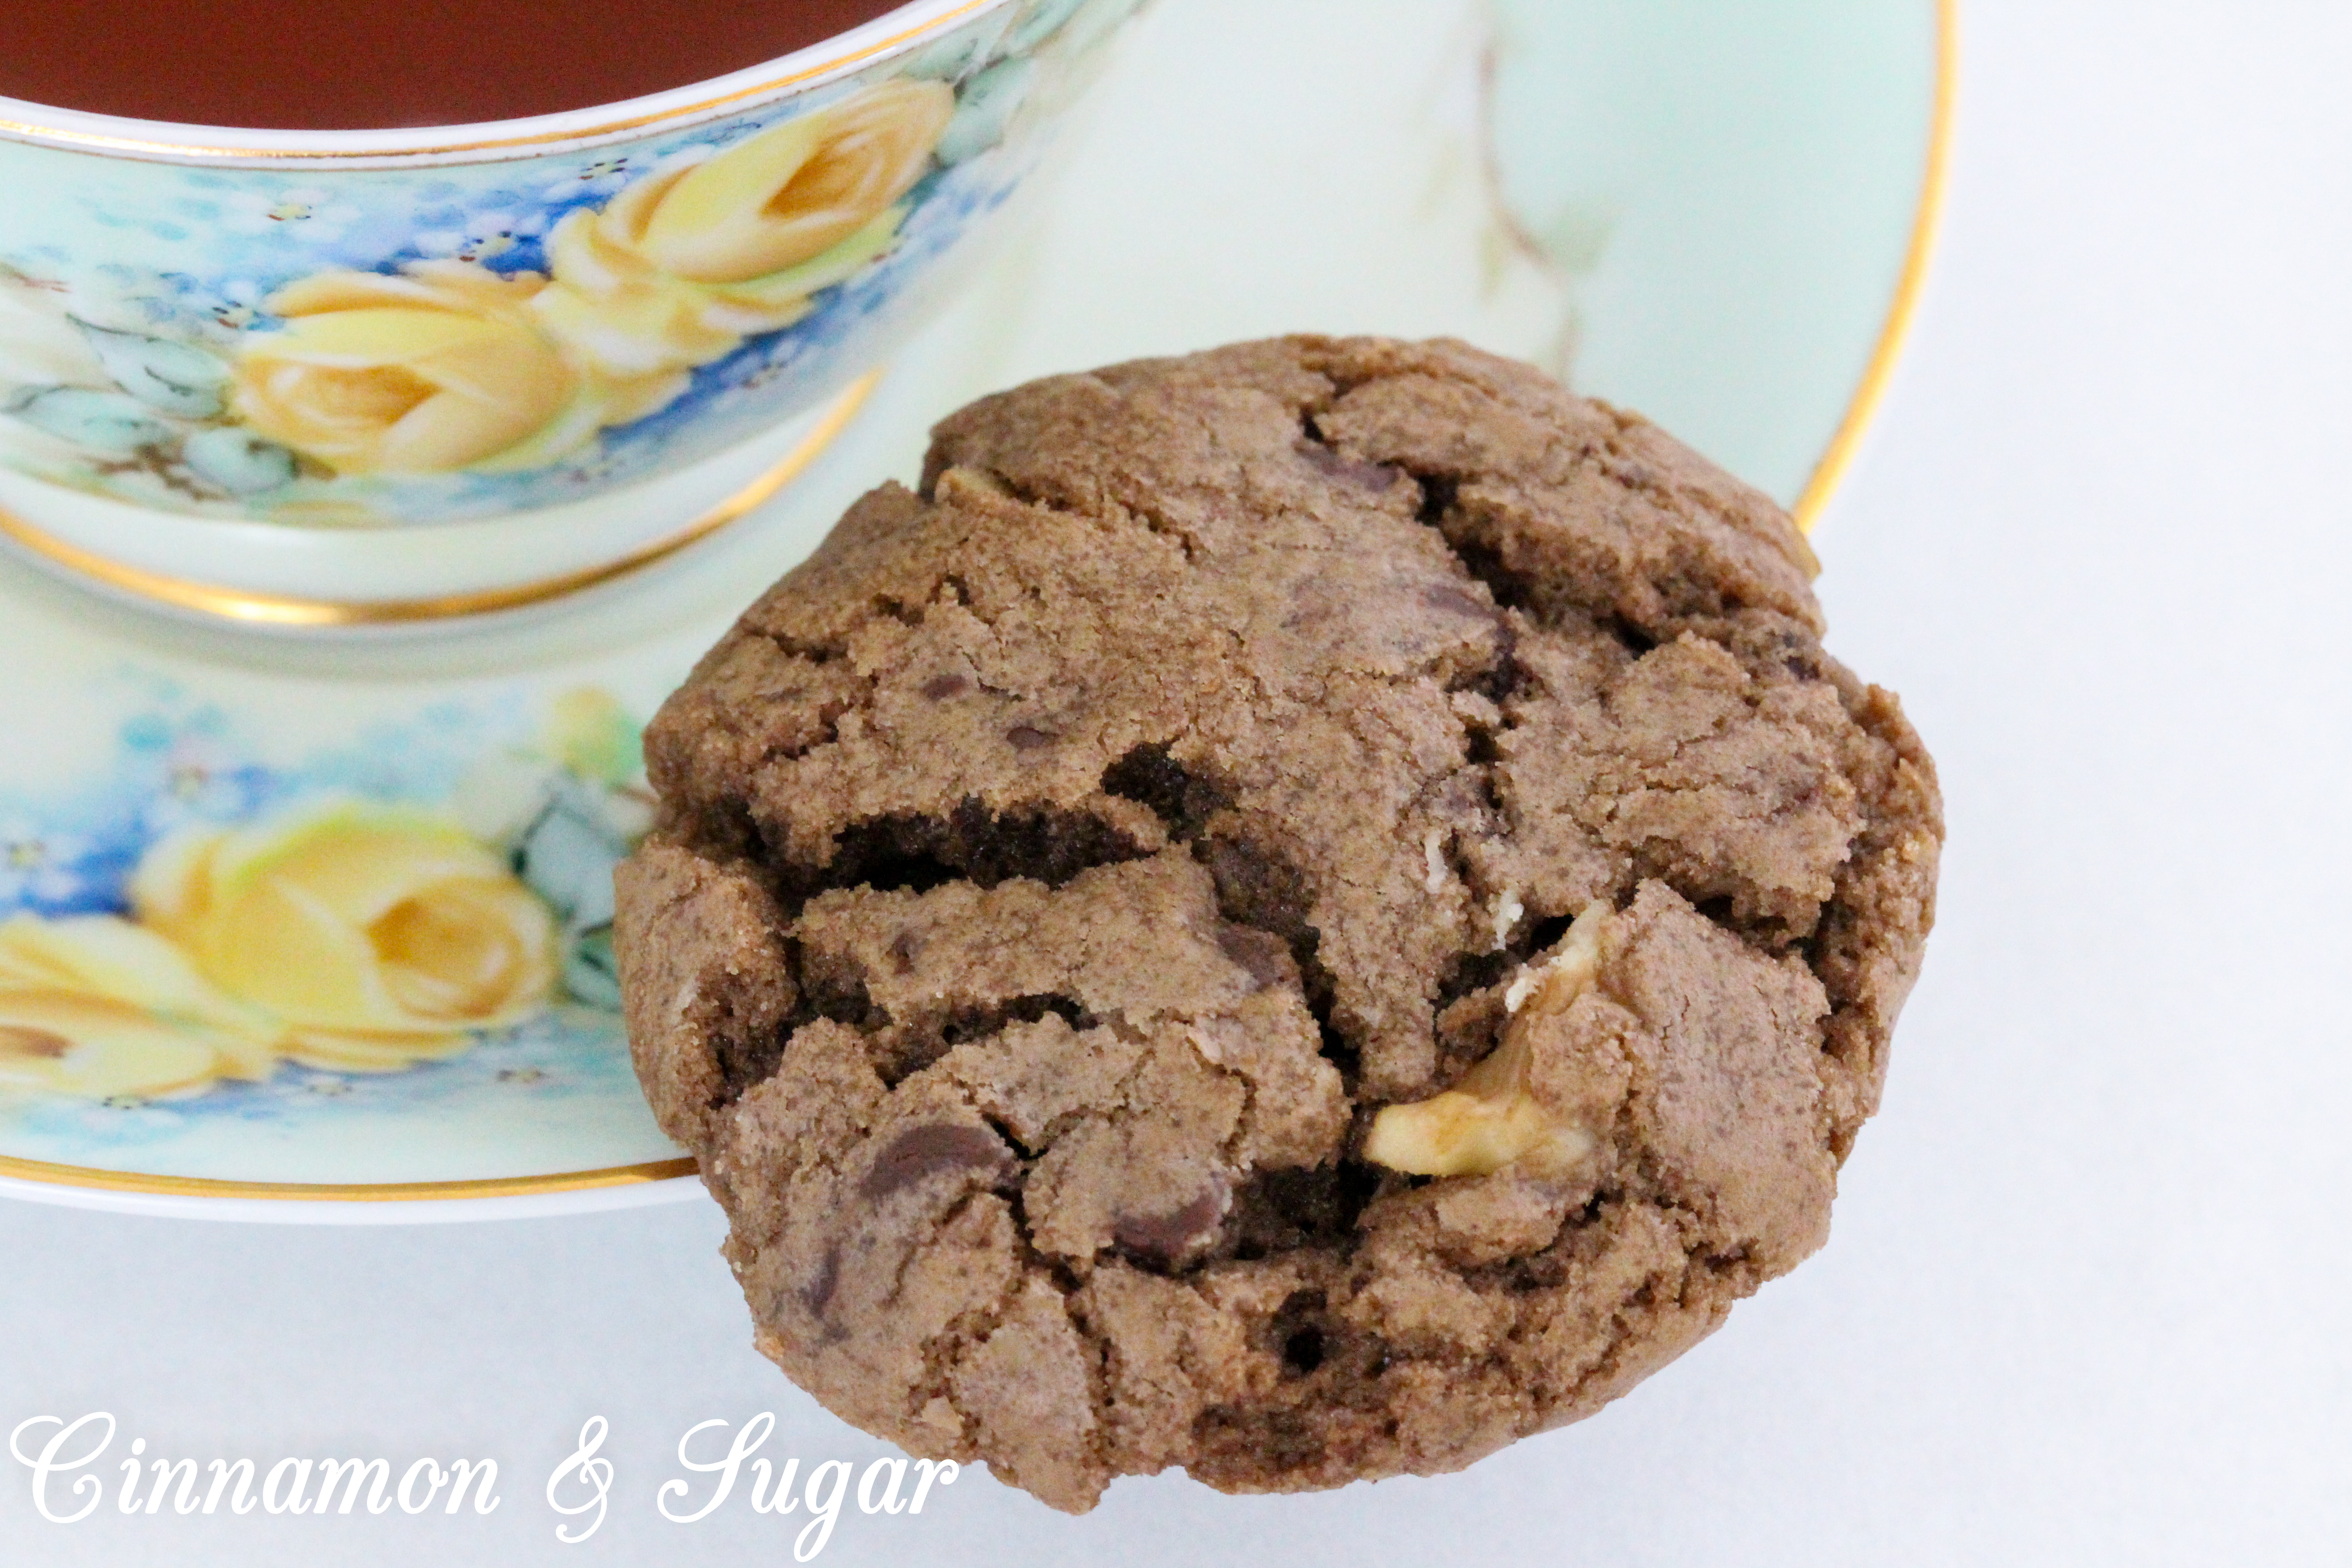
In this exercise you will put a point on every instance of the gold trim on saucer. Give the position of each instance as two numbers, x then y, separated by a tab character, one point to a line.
369	1193
139	147
1834	463
273	610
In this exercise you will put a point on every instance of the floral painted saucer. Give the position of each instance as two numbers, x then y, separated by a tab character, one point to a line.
330	921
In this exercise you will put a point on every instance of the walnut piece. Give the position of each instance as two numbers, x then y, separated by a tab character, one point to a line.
1492	1118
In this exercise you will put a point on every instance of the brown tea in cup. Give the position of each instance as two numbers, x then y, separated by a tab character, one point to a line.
352	64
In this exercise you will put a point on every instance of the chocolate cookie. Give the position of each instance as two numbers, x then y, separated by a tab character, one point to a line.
1302	912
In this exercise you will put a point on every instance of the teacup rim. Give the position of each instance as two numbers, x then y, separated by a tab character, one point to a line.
895	30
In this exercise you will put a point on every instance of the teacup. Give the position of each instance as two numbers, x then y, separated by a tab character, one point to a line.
351	377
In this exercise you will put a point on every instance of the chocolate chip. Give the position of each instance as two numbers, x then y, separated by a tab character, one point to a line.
938	1149
1257	887
1165	1238
817	1294
940	687
1373	476
1450	599
1265	955
1028	737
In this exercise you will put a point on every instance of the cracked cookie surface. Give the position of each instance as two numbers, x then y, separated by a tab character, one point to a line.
1222	770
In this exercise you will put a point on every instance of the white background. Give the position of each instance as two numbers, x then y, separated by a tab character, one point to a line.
2083	1303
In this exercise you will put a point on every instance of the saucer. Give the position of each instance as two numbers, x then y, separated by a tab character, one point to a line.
320	931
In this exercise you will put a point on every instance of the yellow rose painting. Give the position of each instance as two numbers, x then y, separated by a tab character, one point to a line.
95	1007
690	260
450	366
439	369
793	192
377	936
343	935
